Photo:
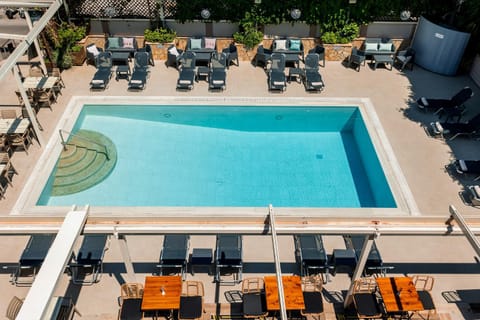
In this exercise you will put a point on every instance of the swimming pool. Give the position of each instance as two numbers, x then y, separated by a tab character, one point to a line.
238	156
244	153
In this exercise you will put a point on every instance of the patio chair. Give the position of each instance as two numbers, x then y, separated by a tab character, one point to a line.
191	301
187	72
45	98
254	303
4	145
312	297
313	80
59	85
92	53
424	286
374	264
102	76
31	259
131	301
217	77
140	72
87	267
232	55
6	167
263	55
467	167
365	298
405	58
23	140
148	49
357	58
276	73
174	254
228	257
173	56
320	50
474	194
311	254
446	105
13	308
454	130
131	309
131	290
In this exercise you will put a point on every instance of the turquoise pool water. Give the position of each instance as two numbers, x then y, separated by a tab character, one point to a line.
234	156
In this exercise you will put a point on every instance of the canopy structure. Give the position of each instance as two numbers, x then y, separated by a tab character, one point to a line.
26	41
70	227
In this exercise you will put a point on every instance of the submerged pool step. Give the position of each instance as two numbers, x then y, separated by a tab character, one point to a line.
83	163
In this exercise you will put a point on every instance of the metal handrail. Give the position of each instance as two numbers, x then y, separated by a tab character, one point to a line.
64	143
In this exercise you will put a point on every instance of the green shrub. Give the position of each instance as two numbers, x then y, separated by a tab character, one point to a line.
161	35
248	35
329	37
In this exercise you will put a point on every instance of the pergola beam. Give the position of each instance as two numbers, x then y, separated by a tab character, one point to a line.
38	298
26	4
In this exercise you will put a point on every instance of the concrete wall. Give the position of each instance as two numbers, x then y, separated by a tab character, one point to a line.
298	29
392	30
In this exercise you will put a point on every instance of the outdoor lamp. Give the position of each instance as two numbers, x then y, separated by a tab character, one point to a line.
295	14
404	15
205	13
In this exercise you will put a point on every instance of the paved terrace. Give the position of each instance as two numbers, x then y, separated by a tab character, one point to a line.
422	159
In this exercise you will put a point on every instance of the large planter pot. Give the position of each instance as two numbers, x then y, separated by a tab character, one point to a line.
159	50
337	52
245	54
78	57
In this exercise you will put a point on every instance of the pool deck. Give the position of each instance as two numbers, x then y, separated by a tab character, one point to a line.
422	159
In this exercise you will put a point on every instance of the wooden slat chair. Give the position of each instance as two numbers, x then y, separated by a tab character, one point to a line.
365	299
312	296
191	301
254	302
424	286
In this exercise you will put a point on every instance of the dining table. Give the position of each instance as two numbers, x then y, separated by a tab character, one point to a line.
161	293
399	294
14	126
292	288
40	82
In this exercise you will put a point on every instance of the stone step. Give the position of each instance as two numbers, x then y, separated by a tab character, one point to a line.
83	163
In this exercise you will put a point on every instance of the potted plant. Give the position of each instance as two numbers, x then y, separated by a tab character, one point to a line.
157	38
248	35
337	34
66	50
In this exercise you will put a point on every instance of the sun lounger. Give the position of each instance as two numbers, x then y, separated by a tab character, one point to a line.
87	267
217	77
174	254
228	257
32	258
138	80
447	105
374	263
454	130
311	254
187	72
102	76
313	80
276	73
468	167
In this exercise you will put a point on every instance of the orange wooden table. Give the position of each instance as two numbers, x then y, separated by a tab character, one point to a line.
399	294
292	290
161	293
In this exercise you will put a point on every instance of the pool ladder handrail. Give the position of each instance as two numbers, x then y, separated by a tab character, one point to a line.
64	143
